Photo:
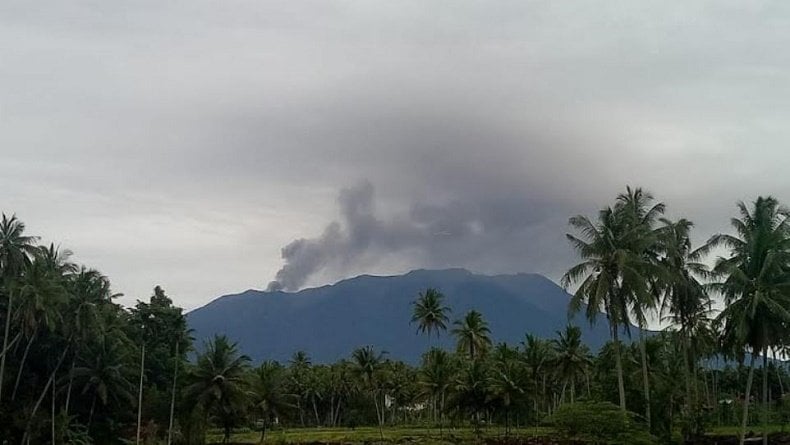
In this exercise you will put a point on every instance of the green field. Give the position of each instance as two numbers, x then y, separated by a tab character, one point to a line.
415	435
372	434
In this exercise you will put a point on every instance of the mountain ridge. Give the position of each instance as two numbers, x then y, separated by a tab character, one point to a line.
329	321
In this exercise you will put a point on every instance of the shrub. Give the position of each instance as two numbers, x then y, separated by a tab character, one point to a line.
600	423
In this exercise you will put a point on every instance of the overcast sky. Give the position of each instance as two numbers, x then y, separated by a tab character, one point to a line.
185	143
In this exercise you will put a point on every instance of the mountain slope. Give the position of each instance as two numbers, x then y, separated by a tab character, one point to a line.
329	322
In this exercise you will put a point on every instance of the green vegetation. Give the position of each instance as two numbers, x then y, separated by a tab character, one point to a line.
77	368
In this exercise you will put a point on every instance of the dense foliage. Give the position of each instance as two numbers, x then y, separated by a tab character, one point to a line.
78	368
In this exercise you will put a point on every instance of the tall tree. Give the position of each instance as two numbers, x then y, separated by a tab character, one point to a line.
472	334
367	363
686	304
429	312
16	248
538	357
604	250
269	396
571	359
642	279
104	372
435	378
755	279
219	381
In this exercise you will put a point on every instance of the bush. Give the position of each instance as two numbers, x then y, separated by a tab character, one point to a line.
600	423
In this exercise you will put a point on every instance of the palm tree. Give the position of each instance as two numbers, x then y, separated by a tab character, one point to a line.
41	293
367	363
219	380
435	377
686	303
755	279
506	380
300	366
604	255
104	371
429	314
16	248
472	334
472	390
619	271
268	393
571	360
643	281
538	357
89	293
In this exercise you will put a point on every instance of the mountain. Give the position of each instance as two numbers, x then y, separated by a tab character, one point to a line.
329	322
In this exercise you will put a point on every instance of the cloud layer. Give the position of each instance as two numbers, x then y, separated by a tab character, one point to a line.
184	144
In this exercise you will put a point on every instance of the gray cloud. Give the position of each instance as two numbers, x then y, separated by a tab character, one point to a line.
184	144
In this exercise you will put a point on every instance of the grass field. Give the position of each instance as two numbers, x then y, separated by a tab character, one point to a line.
372	434
736	430
416	435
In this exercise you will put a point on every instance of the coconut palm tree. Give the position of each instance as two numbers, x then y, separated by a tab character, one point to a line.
41	293
686	303
89	293
755	279
219	381
429	314
642	280
435	377
572	359
269	397
299	368
605	253
16	249
472	334
367	363
506	379
538	357
104	372
472	390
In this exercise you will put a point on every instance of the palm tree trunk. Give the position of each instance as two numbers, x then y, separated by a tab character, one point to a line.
71	381
140	395
687	375
173	399
263	431
5	341
53	414
92	410
11	345
645	379
689	406
779	377
765	396
441	416
315	412
562	394
619	365
380	415
746	399
50	381
573	391
587	378
22	365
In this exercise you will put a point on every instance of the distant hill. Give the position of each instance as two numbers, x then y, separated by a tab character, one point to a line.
329	322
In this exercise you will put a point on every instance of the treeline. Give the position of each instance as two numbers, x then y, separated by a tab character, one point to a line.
70	371
78	368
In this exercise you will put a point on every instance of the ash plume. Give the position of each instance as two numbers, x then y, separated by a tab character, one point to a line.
488	235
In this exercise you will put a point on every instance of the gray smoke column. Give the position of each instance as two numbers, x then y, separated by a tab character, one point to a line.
340	241
493	234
